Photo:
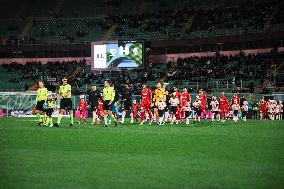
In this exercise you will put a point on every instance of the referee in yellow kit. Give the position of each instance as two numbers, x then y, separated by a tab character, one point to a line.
108	98
64	93
41	96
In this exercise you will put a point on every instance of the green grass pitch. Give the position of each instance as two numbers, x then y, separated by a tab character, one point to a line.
224	155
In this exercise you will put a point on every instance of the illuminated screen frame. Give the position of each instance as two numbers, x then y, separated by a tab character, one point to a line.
95	67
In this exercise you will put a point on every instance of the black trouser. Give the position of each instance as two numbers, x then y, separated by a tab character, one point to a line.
254	114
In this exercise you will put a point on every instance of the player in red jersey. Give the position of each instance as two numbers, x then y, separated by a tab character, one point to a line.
235	99
100	111
82	106
185	98
177	96
224	106
134	111
203	100
262	109
146	99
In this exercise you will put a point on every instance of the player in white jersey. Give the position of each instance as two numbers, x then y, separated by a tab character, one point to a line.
187	111
197	109
235	108
161	105
271	109
215	109
244	109
280	110
174	105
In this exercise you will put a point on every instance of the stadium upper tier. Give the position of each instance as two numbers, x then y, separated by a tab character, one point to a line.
167	22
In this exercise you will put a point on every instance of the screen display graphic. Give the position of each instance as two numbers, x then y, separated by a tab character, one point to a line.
117	54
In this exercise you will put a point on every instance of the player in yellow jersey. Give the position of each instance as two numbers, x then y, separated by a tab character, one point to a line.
64	94
160	92
41	95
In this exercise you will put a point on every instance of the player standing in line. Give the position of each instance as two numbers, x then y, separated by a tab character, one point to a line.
185	98
49	108
108	98
115	109
255	110
100	110
202	97
280	110
262	109
187	111
197	109
161	105
223	104
274	105
82	107
93	101
215	109
168	107
41	96
178	95
159	91
236	98
134	112
126	100
244	109
146	98
174	105
209	106
64	94
235	107
277	110
270	110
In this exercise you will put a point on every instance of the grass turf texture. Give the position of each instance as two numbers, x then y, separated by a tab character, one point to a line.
223	155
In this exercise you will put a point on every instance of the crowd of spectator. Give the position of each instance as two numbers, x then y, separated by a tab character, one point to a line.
233	68
252	67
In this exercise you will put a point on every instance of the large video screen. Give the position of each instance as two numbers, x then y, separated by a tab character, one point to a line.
117	54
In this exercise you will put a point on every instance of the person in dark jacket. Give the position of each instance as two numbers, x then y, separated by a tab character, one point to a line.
94	96
126	97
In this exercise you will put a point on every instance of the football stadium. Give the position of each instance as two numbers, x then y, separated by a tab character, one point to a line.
142	94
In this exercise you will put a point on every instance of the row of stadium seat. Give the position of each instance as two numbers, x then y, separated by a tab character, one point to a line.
164	23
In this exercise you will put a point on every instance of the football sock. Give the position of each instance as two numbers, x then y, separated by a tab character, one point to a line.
106	119
142	116
94	117
44	118
59	118
51	122
38	117
113	117
71	118
131	118
47	120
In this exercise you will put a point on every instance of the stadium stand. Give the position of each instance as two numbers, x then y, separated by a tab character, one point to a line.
165	23
243	71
